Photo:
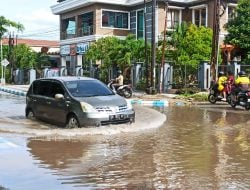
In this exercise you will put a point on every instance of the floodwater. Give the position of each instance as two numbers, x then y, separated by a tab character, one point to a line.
201	147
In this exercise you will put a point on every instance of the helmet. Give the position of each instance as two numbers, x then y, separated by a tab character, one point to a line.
242	73
229	72
221	73
119	72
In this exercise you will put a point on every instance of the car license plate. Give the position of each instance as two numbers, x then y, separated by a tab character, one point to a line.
117	117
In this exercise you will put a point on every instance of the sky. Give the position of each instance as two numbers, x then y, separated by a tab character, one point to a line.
36	16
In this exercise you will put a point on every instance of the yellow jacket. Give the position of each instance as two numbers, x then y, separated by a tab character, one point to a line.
221	82
242	80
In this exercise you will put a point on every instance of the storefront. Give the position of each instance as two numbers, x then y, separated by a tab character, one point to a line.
73	58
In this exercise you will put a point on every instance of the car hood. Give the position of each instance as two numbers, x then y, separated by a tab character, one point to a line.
113	100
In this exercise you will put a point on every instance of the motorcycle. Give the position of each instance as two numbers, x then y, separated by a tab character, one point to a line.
241	99
214	93
123	90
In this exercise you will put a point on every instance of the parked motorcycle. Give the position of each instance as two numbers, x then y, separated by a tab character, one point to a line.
242	99
214	94
123	90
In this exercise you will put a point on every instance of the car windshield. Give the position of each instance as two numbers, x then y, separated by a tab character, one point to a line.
88	88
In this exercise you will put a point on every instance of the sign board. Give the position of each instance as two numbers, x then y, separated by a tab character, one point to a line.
82	48
5	62
65	50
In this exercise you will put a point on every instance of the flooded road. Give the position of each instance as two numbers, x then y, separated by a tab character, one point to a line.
202	147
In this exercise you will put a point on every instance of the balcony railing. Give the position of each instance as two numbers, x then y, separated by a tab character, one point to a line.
85	31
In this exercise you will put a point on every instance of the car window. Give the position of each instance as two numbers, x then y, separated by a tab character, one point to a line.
56	88
42	88
88	88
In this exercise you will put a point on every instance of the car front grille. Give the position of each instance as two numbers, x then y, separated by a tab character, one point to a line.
113	109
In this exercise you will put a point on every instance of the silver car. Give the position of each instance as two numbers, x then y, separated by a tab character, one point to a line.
76	102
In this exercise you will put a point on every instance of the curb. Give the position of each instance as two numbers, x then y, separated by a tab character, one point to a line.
151	103
154	103
12	91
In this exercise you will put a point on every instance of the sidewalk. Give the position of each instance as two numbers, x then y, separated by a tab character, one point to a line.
19	90
140	98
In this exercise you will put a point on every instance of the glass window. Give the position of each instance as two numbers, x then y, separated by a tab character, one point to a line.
56	89
88	88
173	17
115	19
71	29
231	13
140	24
87	24
200	17
42	88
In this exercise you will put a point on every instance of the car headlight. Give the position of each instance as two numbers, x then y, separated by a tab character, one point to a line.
129	104
87	107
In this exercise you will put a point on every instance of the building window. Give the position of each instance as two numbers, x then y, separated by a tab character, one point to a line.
200	17
115	19
87	24
173	18
68	28
231	13
140	24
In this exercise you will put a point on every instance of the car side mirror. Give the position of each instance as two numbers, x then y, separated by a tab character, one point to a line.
59	96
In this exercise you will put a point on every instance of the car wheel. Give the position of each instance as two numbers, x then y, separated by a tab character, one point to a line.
30	114
72	122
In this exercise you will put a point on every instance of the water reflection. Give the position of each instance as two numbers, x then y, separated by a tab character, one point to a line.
196	148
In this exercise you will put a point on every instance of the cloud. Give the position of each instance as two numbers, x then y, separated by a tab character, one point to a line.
39	19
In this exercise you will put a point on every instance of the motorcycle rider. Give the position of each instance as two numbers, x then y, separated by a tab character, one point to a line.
241	84
230	82
118	80
221	84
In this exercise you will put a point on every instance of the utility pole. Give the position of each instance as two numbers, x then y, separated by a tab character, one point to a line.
146	43
153	59
1	49
163	47
215	40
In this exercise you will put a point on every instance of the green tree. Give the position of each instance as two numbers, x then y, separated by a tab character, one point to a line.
25	57
189	45
114	52
239	29
5	24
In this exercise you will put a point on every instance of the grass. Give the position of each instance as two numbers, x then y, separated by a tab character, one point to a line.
198	97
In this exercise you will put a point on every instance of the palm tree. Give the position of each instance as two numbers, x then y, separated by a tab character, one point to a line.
4	23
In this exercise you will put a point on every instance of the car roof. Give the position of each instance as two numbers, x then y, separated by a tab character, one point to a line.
67	78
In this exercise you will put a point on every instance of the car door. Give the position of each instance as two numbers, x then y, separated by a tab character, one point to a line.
58	109
42	99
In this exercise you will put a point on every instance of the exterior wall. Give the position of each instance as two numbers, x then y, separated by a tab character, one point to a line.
211	10
109	31
97	10
161	18
99	31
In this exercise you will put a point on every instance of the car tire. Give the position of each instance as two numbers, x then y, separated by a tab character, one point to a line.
30	114
72	122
